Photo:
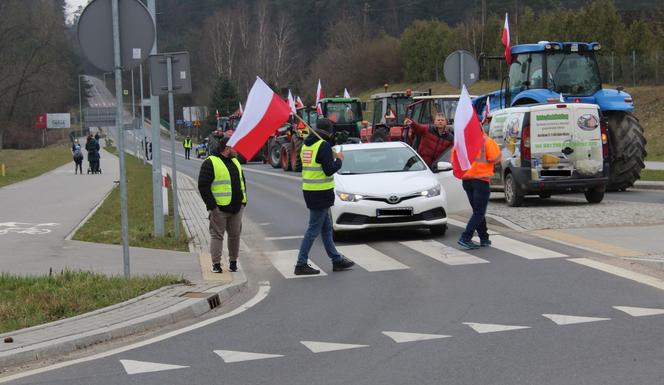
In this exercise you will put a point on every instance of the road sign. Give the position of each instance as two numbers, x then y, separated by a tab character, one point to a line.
100	116
179	121
461	68
95	33
125	92
58	120
188	123
180	73
40	121
197	123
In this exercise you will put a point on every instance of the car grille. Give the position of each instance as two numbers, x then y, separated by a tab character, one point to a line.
356	219
386	200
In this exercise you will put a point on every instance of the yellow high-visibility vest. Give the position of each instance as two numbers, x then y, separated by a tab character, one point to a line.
313	177
187	143
221	185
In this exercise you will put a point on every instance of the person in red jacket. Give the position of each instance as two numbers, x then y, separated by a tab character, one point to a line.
434	138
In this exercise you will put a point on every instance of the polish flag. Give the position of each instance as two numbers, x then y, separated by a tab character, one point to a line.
291	102
319	96
506	41
468	135
346	94
562	99
241	109
298	103
487	111
265	113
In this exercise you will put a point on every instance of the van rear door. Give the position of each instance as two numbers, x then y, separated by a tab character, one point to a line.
551	136
587	144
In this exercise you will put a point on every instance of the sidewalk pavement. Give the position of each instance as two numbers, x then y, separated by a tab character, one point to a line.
40	213
654	165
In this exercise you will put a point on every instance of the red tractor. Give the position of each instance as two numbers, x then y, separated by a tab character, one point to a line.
283	148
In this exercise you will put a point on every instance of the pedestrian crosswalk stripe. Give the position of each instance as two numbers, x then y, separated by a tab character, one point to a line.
560	319
522	249
321	347
137	367
231	356
492	328
639	311
401	337
442	253
370	259
456	223
284	261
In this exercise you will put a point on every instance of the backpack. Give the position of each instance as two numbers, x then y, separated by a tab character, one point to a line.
77	153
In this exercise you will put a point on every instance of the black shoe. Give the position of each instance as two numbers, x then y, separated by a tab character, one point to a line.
485	242
232	266
216	268
305	270
343	264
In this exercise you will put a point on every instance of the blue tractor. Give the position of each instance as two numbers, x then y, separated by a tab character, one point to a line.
551	72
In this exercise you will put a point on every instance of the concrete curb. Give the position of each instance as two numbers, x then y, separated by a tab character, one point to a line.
184	310
649	185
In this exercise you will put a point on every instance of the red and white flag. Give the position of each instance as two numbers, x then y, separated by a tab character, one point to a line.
217	114
562	99
319	96
291	102
468	135
265	113
241	109
298	103
506	41
346	94
487	111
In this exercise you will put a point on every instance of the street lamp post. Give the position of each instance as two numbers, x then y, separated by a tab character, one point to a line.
80	104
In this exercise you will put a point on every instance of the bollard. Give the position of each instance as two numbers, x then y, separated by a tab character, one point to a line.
164	193
2	167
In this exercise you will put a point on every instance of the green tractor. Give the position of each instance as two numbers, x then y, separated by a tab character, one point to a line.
346	114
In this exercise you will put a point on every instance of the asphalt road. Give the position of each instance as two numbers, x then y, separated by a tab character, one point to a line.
493	316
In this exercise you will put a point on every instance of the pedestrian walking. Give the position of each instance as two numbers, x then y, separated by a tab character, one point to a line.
187	147
92	147
319	164
475	183
78	157
222	186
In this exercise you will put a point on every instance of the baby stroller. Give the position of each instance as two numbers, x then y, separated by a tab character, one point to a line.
93	160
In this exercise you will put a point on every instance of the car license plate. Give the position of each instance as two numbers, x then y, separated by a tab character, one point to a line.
396	212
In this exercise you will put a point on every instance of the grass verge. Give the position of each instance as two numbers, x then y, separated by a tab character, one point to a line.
656	175
104	225
25	164
30	301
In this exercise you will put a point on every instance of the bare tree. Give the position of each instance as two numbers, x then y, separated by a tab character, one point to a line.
283	56
262	37
219	32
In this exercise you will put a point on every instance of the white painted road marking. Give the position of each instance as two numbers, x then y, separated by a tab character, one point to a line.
620	272
322	347
522	249
492	328
560	319
271	173
442	253
401	337
284	237
370	259
230	356
639	311
137	367
284	261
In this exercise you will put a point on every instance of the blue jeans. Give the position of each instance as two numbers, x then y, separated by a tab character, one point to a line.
478	192
319	223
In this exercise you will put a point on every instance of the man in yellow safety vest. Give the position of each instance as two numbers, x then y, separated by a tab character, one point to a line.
221	184
318	168
187	147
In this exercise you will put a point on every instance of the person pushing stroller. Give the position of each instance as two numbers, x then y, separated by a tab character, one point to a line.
92	146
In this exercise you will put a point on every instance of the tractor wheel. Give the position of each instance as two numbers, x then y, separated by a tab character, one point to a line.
285	157
627	146
379	135
296	161
274	153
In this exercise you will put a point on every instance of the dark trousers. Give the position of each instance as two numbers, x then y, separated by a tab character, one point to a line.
187	152
478	192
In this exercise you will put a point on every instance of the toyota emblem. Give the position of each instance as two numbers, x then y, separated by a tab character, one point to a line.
393	199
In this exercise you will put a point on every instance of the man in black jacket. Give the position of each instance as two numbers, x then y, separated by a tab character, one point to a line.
318	167
221	184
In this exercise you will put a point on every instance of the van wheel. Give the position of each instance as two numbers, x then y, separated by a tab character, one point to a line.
595	194
513	195
438	230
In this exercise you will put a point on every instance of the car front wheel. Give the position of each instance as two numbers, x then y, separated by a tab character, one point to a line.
513	195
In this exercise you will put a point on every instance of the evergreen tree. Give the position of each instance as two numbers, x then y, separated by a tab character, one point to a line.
224	97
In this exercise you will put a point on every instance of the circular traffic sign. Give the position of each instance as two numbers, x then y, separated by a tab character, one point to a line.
461	68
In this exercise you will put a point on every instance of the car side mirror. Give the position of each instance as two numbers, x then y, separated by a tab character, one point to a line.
443	166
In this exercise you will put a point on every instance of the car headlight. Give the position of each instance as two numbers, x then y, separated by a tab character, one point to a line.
432	192
347	197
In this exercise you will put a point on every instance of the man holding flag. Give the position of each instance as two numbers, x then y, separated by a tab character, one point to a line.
473	158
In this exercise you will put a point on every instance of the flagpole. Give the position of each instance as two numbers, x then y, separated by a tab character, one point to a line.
308	127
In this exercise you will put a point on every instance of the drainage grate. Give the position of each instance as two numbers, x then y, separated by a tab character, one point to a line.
214	301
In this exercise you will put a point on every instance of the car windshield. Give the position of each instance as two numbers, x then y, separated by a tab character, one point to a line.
377	160
343	112
573	73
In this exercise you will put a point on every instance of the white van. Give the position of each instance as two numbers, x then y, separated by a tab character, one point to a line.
550	149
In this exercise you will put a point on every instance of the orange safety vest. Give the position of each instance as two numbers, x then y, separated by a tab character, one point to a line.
482	167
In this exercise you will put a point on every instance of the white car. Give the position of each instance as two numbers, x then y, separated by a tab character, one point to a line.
387	185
